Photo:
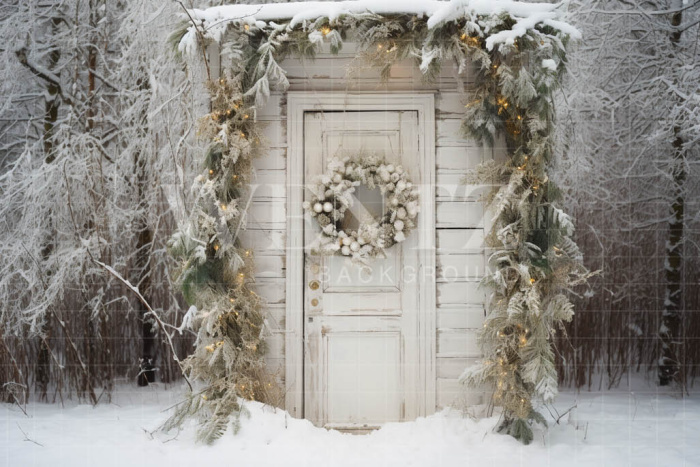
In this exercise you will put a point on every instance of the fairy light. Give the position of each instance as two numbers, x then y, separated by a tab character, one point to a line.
246	27
216	247
211	171
325	30
223	207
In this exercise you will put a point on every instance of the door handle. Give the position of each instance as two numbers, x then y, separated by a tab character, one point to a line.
313	285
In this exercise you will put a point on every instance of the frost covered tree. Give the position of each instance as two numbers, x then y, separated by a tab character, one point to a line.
630	114
98	130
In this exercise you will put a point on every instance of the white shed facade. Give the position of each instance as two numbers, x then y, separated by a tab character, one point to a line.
355	347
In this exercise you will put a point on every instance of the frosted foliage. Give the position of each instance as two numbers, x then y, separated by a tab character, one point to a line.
630	97
99	148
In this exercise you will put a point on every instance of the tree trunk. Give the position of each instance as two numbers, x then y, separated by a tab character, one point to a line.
670	330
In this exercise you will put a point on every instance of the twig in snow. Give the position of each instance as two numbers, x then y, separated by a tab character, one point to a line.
12	393
27	438
566	412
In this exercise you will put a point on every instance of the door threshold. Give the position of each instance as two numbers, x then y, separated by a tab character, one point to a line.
363	429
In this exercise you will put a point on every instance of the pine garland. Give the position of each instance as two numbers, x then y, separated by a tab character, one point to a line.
517	65
216	274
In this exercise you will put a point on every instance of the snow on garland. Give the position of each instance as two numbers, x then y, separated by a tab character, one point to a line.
516	54
332	197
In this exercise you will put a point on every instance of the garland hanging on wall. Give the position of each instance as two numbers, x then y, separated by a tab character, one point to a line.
332	197
516	54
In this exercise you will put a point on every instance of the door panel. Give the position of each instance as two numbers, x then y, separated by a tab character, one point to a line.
361	323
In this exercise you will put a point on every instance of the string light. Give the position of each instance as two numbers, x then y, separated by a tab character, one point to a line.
216	247
211	171
246	27
223	207
325	30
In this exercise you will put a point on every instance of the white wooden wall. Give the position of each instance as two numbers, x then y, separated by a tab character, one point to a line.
460	216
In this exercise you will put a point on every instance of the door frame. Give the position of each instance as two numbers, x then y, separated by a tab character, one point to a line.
299	102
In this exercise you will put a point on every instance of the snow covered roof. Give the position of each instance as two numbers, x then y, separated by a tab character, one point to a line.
527	15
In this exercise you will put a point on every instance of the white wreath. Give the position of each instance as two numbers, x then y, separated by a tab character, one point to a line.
332	196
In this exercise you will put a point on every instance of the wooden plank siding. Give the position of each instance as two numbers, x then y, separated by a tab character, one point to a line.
459	211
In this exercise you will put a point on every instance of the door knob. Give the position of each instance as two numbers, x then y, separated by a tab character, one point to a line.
313	285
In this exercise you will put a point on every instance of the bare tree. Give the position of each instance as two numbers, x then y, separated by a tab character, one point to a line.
630	132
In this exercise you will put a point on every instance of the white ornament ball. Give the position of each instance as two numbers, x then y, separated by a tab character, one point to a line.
345	250
390	168
401	213
394	201
327	206
399	237
398	225
399	169
318	207
354	246
337	178
361	240
347	241
400	185
409	184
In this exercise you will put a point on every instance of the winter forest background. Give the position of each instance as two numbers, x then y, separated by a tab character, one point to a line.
98	147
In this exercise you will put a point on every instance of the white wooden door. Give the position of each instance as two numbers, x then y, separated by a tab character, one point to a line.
361	324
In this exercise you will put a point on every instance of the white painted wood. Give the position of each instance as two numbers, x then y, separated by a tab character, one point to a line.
264	242
458	343
460	293
266	215
460	241
297	104
460	214
450	187
453	367
273	133
269	185
459	157
274	159
451	393
460	267
449	133
454	316
272	290
269	266
361	324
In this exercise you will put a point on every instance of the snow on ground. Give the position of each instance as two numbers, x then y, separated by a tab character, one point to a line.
638	429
